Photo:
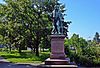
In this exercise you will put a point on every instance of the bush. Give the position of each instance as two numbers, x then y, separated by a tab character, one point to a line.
85	60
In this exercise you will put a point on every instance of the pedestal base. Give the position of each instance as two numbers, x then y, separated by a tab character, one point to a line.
57	61
58	66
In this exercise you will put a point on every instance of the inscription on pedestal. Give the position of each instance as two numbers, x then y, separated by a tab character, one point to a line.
57	47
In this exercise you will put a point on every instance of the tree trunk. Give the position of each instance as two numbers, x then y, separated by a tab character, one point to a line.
43	49
34	50
37	41
10	47
37	48
20	51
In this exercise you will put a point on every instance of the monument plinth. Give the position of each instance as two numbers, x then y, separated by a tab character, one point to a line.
57	47
57	55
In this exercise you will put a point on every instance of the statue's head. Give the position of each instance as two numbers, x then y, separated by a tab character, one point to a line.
57	7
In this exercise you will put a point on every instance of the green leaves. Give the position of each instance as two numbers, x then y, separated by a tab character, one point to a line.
20	23
85	52
26	23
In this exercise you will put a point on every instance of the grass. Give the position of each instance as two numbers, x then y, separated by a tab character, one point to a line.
24	57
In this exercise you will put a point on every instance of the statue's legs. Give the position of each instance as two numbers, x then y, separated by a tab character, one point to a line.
58	27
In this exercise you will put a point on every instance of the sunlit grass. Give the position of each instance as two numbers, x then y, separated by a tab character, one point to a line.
24	57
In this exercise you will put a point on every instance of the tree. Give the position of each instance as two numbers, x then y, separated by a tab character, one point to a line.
25	22
96	37
12	19
76	42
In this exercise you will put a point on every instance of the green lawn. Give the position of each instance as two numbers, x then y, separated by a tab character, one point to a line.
24	57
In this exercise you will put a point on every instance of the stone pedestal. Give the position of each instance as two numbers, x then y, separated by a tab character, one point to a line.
57	55
57	47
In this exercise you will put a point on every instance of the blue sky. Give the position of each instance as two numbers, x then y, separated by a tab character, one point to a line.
85	17
1	1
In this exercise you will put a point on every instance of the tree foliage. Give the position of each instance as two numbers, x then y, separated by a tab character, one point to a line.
26	23
84	52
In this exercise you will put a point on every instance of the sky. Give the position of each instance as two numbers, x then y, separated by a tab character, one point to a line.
85	17
1	1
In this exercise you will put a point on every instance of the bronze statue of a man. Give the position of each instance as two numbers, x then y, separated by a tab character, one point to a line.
57	20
